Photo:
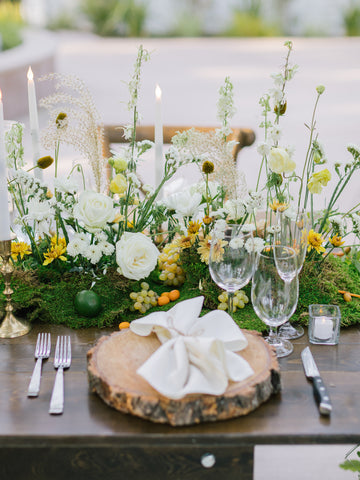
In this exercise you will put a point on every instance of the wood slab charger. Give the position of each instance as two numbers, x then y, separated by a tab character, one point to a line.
112	365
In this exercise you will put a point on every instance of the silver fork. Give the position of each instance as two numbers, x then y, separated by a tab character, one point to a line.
42	350
62	360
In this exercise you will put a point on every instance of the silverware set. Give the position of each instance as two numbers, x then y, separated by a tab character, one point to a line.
62	360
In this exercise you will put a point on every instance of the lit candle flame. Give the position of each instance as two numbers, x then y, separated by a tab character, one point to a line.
158	92
30	74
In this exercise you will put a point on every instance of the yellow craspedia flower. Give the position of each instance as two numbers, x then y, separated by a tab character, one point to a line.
277	206
336	240
319	180
315	241
118	184
194	227
45	162
20	248
61	120
207	167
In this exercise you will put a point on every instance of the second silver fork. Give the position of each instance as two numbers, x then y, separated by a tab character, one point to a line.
42	350
62	360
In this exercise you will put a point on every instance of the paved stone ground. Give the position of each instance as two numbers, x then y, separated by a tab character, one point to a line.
190	73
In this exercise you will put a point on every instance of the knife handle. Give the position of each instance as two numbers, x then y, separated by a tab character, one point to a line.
322	396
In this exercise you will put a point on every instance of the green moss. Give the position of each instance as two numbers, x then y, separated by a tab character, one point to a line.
47	296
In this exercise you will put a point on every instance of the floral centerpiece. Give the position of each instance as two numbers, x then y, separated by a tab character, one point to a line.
101	230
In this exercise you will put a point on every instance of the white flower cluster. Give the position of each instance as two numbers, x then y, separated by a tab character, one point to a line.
356	223
81	244
225	106
14	146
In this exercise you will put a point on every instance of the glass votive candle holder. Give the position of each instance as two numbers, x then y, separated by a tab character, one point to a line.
324	324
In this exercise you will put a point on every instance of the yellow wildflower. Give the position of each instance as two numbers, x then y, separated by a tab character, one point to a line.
217	252
207	220
336	241
204	249
20	248
118	218
277	206
57	249
118	184
194	227
319	180
186	242
315	241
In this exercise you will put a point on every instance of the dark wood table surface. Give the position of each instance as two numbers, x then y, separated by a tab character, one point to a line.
92	441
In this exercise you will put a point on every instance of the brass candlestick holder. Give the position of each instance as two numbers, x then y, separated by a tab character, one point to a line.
11	327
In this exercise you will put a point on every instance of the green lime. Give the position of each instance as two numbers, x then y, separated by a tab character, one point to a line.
87	303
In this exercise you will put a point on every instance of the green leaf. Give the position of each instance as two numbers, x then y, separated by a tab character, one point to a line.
352	465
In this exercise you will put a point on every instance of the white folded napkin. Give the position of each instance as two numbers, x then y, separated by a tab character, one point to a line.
196	355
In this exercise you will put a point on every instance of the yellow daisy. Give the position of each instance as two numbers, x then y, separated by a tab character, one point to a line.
315	241
336	241
20	248
277	206
204	249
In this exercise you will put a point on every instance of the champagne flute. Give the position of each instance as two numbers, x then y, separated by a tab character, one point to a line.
274	299
293	233
231	260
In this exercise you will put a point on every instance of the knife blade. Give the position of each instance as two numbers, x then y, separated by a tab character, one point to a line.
320	392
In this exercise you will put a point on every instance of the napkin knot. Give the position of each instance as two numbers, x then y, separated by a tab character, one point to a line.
197	353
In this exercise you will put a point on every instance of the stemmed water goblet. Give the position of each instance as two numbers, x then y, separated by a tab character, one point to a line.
274	292
231	260
293	233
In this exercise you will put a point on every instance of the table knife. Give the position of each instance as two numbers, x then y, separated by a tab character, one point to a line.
320	391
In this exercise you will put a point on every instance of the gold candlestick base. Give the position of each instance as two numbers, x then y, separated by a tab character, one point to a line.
11	327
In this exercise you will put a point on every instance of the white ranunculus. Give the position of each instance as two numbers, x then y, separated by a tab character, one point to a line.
38	210
94	210
185	203
280	161
136	255
235	208
66	185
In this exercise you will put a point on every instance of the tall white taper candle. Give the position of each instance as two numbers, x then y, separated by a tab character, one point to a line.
4	203
34	123
159	161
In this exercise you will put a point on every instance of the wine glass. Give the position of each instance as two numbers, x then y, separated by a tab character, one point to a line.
293	233
274	299
231	260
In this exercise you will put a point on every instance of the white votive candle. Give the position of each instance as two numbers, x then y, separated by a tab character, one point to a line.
159	141
34	123
4	198
323	328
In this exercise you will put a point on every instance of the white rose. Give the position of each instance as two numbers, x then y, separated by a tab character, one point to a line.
136	255
185	202
280	161
95	210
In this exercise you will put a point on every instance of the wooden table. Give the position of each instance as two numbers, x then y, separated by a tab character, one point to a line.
92	441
